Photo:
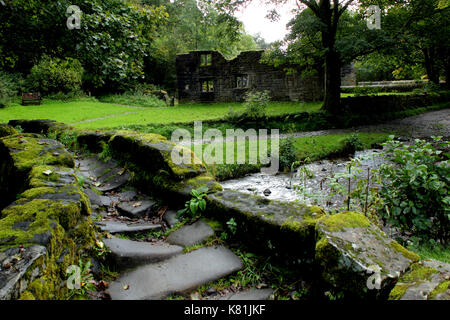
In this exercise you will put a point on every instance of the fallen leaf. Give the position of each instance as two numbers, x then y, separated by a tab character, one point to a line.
126	287
162	210
47	172
97	184
121	172
137	204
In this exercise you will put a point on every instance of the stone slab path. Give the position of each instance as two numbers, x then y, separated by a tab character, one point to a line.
191	234
150	269
128	253
176	275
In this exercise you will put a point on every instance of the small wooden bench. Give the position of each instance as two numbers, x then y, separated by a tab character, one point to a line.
31	98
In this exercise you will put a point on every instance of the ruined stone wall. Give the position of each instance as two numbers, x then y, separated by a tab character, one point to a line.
223	73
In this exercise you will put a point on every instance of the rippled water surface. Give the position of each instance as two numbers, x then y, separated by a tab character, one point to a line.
283	186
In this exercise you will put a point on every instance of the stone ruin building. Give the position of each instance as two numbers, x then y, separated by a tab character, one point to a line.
206	76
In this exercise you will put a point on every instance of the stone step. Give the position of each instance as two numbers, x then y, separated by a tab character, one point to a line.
179	274
128	253
189	235
99	200
136	209
123	227
105	176
170	217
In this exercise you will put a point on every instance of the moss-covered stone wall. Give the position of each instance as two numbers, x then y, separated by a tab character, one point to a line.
47	228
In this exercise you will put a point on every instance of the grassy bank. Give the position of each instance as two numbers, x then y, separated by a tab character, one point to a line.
299	149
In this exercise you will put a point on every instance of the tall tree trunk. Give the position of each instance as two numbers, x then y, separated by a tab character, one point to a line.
430	65
332	98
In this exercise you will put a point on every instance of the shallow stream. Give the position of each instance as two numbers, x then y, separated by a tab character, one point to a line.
315	189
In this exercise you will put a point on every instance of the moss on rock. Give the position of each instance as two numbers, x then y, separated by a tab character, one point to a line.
154	153
350	248
343	220
28	150
6	130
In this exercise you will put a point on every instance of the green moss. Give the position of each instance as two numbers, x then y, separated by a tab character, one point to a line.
406	253
36	192
6	130
325	252
214	224
27	295
37	178
30	150
343	220
399	291
40	212
441	288
418	272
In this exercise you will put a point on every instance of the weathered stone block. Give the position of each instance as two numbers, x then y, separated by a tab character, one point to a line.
357	258
269	225
426	280
19	153
153	153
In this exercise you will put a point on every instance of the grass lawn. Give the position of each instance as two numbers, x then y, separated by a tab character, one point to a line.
86	109
67	112
194	112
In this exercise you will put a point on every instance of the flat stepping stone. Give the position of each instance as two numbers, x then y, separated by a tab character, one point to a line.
97	199
136	209
170	217
128	253
105	176
127	195
122	227
191	234
115	182
252	294
179	274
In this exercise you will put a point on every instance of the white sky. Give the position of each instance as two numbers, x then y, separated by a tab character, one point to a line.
254	18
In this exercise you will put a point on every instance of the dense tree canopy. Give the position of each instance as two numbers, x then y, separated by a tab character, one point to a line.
119	42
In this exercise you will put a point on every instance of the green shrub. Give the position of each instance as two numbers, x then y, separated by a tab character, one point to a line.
134	99
365	91
10	86
287	153
415	189
256	103
255	106
53	75
353	143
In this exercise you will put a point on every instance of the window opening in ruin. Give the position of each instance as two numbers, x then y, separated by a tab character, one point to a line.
207	86
205	60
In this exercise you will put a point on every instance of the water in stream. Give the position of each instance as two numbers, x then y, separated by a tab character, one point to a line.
317	189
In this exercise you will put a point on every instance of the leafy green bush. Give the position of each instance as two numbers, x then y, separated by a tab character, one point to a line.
255	106
53	75
10	86
256	103
365	91
287	153
415	189
134	99
353	143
